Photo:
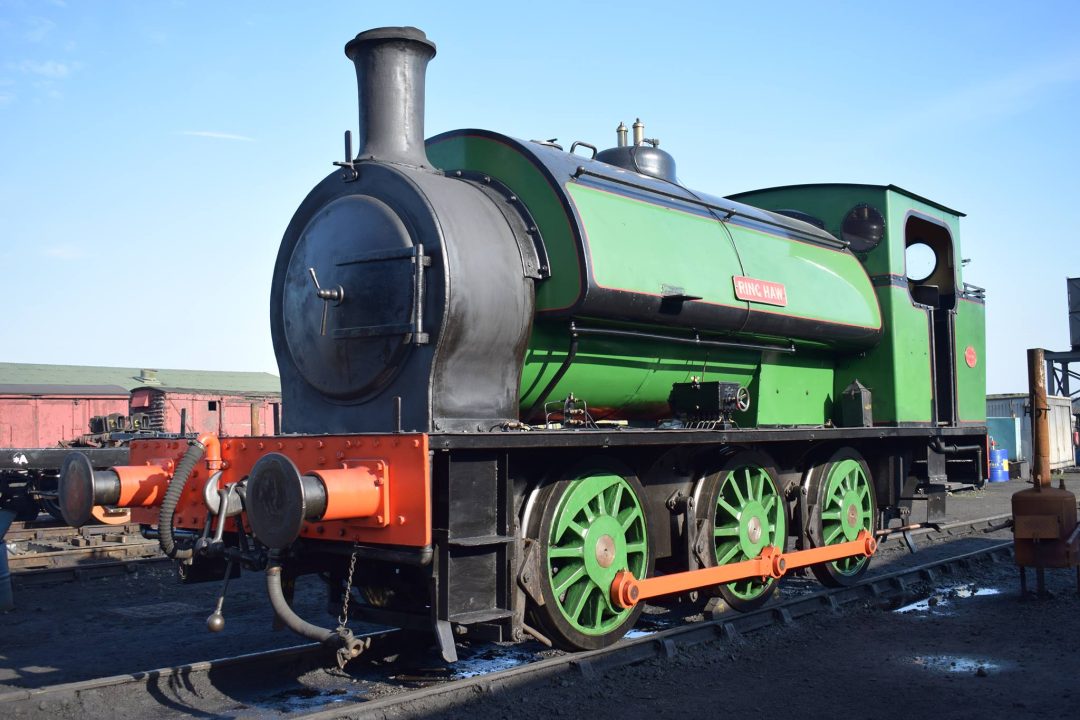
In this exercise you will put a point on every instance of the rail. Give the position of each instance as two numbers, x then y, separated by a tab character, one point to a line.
295	660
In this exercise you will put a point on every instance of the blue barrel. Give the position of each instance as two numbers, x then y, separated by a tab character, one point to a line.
999	465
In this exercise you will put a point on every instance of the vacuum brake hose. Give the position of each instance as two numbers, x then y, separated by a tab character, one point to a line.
281	607
172	498
347	645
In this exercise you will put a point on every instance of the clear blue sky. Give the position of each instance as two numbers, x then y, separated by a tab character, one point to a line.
151	154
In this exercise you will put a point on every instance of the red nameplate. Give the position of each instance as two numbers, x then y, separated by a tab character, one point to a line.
760	291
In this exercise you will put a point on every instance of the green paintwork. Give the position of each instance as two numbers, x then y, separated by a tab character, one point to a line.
831	202
700	257
596	509
847	508
897	371
793	390
747	498
503	161
629	379
970	328
622	378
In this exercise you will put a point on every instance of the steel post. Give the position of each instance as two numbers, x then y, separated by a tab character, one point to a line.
1040	419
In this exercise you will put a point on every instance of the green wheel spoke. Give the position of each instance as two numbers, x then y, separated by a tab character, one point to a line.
728	508
727	556
727	531
830	515
576	529
832	534
590	516
629	516
576	599
836	496
617	499
748	484
567	551
769	503
733	483
636	547
564	583
760	496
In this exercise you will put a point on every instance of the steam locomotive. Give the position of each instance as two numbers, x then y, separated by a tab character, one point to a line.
528	389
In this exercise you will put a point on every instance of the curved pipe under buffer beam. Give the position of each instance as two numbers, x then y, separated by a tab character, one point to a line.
347	645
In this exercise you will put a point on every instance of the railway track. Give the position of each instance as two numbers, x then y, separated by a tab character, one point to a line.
51	551
322	695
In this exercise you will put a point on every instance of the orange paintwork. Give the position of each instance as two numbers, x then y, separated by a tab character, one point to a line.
212	455
627	591
403	515
143	485
359	491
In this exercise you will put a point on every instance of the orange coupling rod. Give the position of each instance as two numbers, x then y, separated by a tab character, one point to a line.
627	591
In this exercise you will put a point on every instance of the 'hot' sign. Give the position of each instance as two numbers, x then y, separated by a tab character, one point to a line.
760	291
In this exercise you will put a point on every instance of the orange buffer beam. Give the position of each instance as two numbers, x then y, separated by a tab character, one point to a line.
627	591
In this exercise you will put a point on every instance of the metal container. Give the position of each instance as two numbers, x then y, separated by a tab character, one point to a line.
999	465
1061	420
1043	528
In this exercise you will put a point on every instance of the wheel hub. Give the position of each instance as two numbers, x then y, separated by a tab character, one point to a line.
605	551
849	515
753	530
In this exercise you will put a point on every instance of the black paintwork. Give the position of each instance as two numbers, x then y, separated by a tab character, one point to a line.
53	458
641	159
391	64
402	298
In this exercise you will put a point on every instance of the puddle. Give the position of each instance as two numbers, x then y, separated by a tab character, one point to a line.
308	698
638	633
941	602
489	662
956	664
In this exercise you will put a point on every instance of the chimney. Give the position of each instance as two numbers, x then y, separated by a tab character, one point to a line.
390	66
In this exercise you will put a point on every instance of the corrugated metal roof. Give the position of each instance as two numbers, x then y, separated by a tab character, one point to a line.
129	378
253	394
79	390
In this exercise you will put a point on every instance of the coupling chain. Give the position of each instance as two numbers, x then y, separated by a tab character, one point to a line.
343	619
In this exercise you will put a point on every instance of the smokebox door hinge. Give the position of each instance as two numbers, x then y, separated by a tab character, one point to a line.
413	330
